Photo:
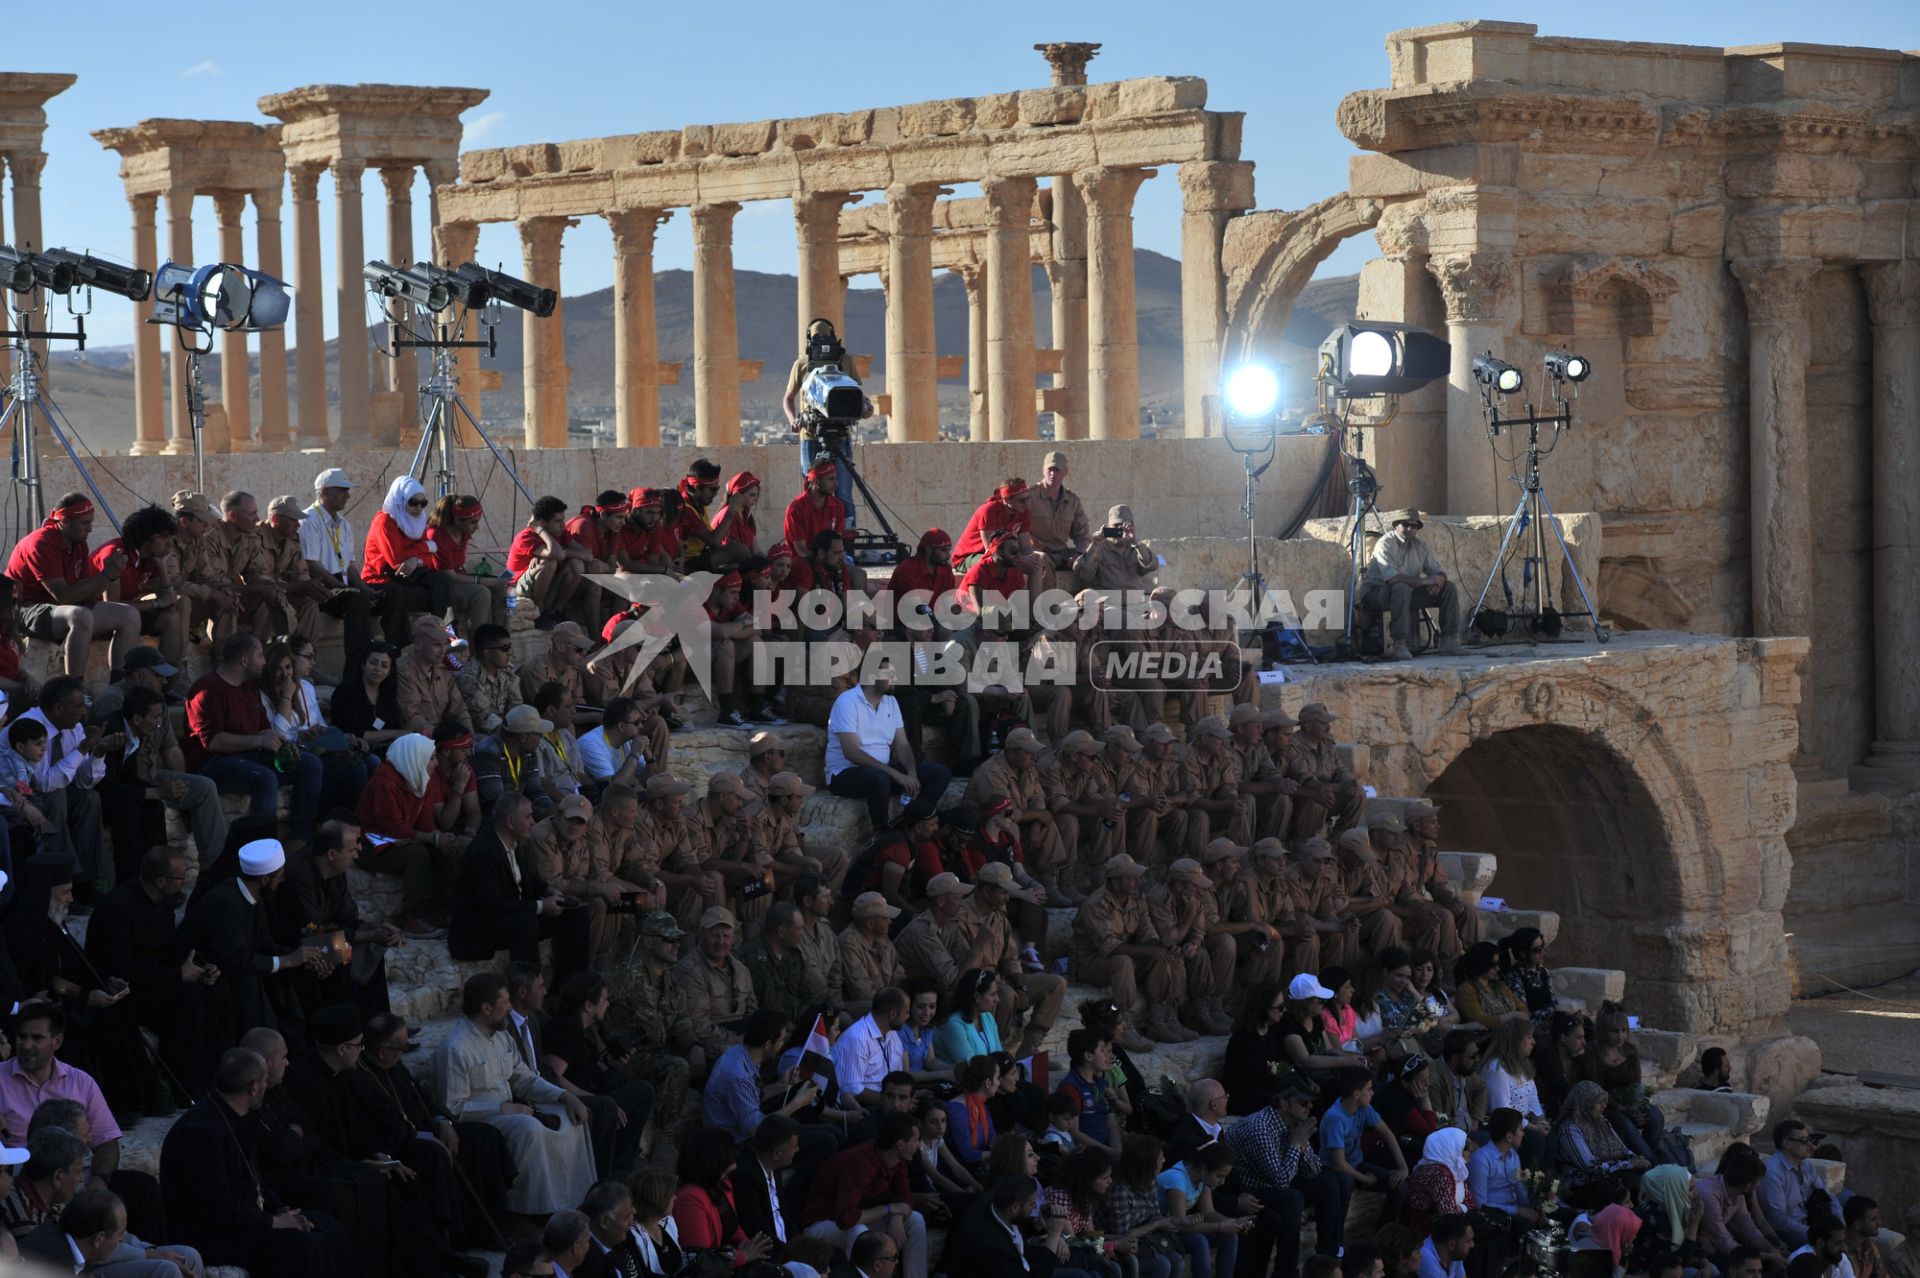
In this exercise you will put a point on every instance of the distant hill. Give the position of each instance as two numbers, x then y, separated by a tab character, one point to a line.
95	388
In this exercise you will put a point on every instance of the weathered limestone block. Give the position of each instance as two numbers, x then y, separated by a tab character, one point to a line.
1741	1113
1664	1053
1153	95
997	111
1497	924
1878	1132
1589	986
40	661
1471	872
1779	1068
1064	104
942	118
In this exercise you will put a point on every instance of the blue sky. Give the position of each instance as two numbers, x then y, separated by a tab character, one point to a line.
565	70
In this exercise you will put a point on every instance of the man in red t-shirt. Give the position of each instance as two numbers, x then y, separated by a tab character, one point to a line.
548	565
597	528
1007	508
930	569
999	572
144	547
816	508
645	544
59	589
230	740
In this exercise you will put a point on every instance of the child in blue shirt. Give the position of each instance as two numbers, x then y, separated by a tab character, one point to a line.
1091	1055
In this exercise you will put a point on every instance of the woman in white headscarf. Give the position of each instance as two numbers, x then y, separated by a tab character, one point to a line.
1438	1185
395	806
401	550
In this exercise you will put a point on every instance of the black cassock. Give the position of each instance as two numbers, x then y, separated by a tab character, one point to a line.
483	1159
300	1167
136	938
305	904
227	928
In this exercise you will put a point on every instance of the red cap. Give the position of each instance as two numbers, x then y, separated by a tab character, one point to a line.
645	499
936	537
779	550
741	482
997	807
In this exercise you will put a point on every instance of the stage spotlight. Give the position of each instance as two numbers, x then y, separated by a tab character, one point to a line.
505	288
16	270
1497	374
1563	366
1251	391
26	271
221	295
414	286
1366	358
93	272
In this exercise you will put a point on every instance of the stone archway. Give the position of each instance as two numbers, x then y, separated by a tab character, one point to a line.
1577	832
1269	257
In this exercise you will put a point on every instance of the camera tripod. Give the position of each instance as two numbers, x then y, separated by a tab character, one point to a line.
24	398
1364	484
1252	444
440	400
1532	516
869	548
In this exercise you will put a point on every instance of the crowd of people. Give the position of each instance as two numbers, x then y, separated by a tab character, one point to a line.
704	1031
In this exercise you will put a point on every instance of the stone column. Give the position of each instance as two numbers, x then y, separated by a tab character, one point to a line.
636	345
440	173
273	343
236	379
913	372
179	249
1479	291
1010	388
454	245
309	299
25	167
816	220
1067	274
403	371
1068	59
975	278
1211	192
1113	343
1893	301
544	341
356	396
716	341
149	389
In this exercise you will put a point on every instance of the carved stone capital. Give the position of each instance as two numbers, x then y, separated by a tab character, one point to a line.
1009	202
1893	293
1109	191
1477	287
143	206
540	239
346	178
1069	59
1215	186
306	181
633	230
441	173
713	223
227	208
457	241
816	215
1775	287
26	166
910	209
399	184
971	274
266	203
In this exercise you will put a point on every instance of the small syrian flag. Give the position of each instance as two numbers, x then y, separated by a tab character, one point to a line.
817	1056
1036	1067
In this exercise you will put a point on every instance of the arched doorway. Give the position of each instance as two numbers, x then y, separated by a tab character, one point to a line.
1576	831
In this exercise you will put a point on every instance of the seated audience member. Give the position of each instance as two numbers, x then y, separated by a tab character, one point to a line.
1459	1085
1672	1214
1444	1253
27	825
1790	1182
134	937
549	568
1711	1073
497	904
366	705
1510	1084
488	682
1730	1215
229	927
757	1195
1116	944
1479	991
313	901
452	524
577	1056
925	1009
156	764
400	550
413	819
423	683
1588	1148
293	710
655	1232
614	753
1089	1056
1407	1103
1438	1185
216	1199
867	1187
1278	1037
559	748
66	776
1210	1238
230	740
1614	1062
1276	1167
59	587
508	762
718	986
1560	1059
480	1076
970	1129
868	755
91	1235
703	1209
870	1050
1346	1120
567	1241
42	1175
1493	1170
991	1238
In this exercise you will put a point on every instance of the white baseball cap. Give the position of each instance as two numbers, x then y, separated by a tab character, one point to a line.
1304	986
332	477
12	1157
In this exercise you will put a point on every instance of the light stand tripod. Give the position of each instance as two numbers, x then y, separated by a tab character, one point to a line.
1365	487
1532	516
440	393
1261	444
25	396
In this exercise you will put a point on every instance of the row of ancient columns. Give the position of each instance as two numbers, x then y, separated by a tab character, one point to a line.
22	168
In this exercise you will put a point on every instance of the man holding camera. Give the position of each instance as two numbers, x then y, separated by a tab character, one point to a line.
1117	559
819	349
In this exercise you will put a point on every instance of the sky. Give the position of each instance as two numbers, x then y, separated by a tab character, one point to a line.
566	69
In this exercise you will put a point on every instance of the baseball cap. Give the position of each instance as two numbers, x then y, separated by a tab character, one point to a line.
995	874
785	784
1054	458
1245	712
570	632
1221	850
1080	741
761	742
145	658
662	924
1303	986
12	1157
1212	726
1121	735
332	477
524	718
1315	710
664	786
947	883
576	808
1124	866
726	783
188	502
870	905
1189	869
1022	739
1157	734
287	505
721	916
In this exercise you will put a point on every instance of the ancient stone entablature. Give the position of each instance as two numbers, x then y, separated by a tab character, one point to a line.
233	161
1092	144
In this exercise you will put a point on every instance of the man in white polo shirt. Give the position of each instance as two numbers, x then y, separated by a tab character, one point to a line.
868	754
327	544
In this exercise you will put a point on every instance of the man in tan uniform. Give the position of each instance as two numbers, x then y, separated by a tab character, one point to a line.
1220	809
766	759
1116	559
928	942
1161	823
1260	776
263	597
724	841
648	998
616	841
1186	914
1115	945
718	986
820	944
1403	575
991	943
1014	773
1086	807
287	565
868	960
205	576
565	663
668	842
488	682
775	829
1328	792
563	851
1425	924
1314	880
1059	524
424	686
1363	880
1253	907
1422	822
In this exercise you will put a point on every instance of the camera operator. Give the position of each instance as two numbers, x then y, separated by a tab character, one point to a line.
822	347
1117	559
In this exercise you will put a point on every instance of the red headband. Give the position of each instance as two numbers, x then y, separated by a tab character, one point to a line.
741	482
1013	489
645	499
687	486
935	537
822	466
76	510
462	742
468	510
732	579
995	808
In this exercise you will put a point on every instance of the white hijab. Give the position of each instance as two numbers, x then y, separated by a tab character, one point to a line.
412	757
1447	1147
402	490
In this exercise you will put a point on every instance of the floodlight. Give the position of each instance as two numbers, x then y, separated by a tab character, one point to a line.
1564	366
412	286
220	295
25	271
1251	391
1496	374
93	272
1365	358
505	288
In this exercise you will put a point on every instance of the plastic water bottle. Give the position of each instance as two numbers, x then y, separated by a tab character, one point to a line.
1126	796
513	601
485	569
